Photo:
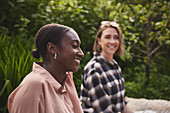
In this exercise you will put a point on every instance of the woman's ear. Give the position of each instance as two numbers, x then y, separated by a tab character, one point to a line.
51	48
99	41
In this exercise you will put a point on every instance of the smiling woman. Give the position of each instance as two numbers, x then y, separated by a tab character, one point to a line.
49	88
102	88
70	52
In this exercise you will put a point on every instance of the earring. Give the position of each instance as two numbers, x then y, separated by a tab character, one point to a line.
55	56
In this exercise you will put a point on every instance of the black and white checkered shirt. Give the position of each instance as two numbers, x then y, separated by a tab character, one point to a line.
102	88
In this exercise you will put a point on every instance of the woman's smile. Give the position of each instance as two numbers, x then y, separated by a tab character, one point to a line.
77	61
109	42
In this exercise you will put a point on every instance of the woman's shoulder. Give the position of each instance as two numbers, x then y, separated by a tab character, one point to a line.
33	79
93	63
33	83
92	67
28	92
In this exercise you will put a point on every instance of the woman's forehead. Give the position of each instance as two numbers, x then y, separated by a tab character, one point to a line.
73	35
110	31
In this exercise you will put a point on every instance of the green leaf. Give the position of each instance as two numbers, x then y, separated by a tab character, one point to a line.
5	85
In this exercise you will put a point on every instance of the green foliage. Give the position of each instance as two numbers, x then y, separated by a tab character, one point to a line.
15	63
157	89
144	24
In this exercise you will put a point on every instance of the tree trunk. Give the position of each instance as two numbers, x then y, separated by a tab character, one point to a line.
147	74
147	66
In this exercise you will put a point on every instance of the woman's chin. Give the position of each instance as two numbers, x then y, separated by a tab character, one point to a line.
75	69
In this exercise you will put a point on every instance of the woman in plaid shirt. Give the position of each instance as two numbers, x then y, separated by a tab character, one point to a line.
102	89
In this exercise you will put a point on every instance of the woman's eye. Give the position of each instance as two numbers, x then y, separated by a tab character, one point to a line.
74	46
116	37
107	37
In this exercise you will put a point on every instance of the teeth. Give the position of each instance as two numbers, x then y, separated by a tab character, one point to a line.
78	61
112	47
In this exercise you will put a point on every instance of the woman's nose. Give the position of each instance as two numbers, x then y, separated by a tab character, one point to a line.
112	41
80	53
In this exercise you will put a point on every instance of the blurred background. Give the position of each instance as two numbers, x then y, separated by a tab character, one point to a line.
144	23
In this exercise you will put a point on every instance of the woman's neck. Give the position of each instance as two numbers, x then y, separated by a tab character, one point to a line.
59	75
108	57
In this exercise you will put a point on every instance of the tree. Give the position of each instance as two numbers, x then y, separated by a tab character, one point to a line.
146	29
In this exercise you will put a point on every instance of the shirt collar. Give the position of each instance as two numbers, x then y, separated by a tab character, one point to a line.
102	59
37	68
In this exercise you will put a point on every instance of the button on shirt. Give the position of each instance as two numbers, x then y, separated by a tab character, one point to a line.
102	88
39	92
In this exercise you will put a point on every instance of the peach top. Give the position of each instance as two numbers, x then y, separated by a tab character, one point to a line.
39	92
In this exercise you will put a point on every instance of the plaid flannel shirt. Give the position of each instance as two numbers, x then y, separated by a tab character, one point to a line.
102	88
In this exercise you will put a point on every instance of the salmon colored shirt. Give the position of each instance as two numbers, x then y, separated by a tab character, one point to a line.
39	92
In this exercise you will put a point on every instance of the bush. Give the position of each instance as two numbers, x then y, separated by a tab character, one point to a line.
15	63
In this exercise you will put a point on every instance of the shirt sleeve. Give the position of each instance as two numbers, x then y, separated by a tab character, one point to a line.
100	100
27	98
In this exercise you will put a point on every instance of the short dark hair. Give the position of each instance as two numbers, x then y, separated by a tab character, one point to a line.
48	33
97	47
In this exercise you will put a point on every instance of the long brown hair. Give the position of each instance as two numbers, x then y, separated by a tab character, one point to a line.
97	47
